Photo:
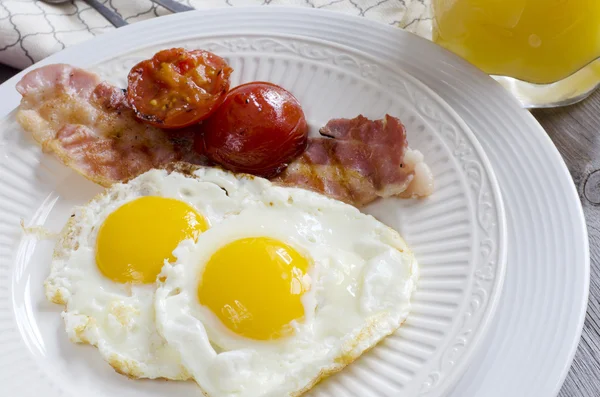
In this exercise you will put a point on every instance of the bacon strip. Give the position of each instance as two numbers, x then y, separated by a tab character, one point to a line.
90	127
358	160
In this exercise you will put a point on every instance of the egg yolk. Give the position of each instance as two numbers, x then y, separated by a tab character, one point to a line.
254	285
134	241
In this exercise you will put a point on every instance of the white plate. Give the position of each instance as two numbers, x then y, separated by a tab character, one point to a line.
458	235
541	314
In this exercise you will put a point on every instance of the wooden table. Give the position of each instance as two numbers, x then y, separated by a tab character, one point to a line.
575	130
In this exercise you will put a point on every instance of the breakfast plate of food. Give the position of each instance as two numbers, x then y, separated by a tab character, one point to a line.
243	213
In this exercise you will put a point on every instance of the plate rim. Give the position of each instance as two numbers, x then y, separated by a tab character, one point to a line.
333	15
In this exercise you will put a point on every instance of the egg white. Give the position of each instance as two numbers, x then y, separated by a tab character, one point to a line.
119	318
362	278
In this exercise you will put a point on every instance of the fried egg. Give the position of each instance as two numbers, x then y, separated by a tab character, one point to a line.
288	291
109	254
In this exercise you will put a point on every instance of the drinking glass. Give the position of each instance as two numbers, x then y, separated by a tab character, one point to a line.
545	52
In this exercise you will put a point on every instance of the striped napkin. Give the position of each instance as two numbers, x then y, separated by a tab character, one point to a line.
31	30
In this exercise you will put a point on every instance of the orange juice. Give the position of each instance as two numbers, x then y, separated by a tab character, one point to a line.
539	41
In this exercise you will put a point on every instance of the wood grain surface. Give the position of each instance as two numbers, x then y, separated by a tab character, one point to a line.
575	130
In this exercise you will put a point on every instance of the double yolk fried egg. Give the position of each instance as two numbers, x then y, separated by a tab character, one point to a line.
248	288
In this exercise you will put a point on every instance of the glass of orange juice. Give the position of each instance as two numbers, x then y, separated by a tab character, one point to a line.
544	51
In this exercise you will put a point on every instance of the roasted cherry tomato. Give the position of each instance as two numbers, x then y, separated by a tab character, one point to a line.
177	88
259	129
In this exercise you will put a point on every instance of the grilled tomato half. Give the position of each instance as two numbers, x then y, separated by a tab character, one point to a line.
259	129
178	88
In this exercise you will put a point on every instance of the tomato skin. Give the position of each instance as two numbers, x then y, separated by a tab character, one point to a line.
177	88
259	129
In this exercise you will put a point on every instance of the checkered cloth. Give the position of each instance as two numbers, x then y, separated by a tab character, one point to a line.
31	30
